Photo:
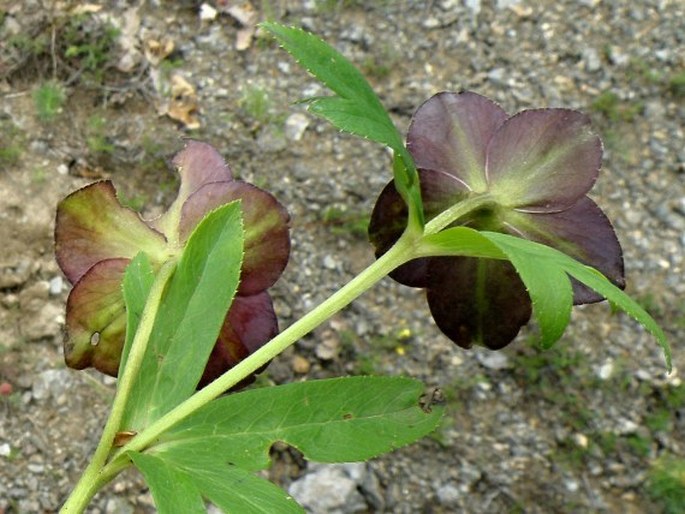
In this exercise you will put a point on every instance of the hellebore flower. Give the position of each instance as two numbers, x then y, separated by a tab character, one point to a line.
96	237
535	169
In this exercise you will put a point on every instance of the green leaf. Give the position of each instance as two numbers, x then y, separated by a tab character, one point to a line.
356	109
336	420
546	282
591	278
537	255
548	286
136	285
192	312
460	241
545	271
355	95
180	487
354	117
172	488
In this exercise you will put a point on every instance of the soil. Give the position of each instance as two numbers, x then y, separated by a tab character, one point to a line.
91	91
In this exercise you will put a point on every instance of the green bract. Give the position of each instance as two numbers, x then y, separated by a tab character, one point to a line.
96	237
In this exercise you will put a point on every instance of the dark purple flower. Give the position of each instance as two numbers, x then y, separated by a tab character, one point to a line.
535	169
96	237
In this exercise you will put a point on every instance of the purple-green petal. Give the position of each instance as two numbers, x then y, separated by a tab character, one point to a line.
197	164
265	221
543	159
439	191
96	318
92	225
450	133
583	232
251	322
477	301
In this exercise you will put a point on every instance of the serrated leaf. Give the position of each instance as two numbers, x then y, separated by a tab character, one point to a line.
354	117
357	109
549	289
180	487
192	312
355	95
138	279
547	284
172	488
336	420
545	272
537	255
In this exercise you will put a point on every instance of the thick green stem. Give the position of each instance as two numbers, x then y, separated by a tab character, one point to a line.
92	480
402	252
449	216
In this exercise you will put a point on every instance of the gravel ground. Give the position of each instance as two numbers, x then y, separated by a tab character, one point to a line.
575	429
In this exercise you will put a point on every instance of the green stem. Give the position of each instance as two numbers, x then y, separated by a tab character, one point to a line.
449	216
400	253
92	480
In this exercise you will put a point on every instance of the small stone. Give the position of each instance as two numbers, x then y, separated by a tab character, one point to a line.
449	495
448	5
51	383
55	285
15	275
11	26
591	59
618	56
118	506
496	76
341	490
295	126
571	485
644	375
581	440
504	4
207	12
10	301
456	360
627	427
430	23
606	370
517	7
35	468
5	450
474	5
329	262
300	365
371	488
354	33
494	360
484	386
329	348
